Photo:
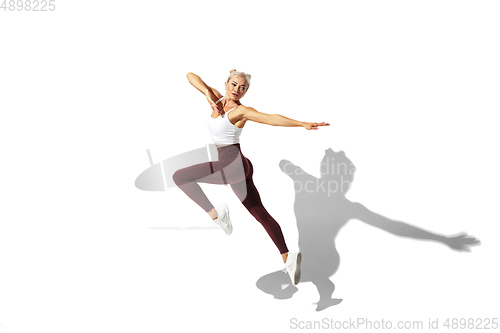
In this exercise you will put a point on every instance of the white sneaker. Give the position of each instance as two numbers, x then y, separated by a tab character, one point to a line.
223	221
292	266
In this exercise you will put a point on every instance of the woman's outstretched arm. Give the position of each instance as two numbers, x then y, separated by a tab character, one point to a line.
275	119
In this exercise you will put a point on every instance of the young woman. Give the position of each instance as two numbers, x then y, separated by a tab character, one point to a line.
226	124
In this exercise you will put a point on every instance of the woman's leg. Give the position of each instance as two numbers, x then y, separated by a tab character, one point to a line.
187	180
250	197
229	169
235	169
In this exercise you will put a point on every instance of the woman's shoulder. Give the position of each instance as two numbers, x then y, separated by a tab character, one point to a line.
243	108
247	110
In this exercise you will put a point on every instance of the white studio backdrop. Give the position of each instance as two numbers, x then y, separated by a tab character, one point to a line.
410	89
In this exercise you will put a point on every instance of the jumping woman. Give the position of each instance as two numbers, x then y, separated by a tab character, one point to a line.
226	124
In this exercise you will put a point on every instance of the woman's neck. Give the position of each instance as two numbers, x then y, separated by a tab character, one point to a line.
226	100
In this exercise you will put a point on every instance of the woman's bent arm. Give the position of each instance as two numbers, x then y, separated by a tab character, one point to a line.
198	83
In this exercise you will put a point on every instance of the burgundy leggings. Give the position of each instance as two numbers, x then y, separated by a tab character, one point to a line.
235	169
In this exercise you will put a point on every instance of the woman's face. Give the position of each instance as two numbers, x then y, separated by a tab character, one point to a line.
236	87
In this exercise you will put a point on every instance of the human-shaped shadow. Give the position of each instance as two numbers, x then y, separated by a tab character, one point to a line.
321	210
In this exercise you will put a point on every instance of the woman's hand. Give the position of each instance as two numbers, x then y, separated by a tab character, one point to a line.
212	103
314	126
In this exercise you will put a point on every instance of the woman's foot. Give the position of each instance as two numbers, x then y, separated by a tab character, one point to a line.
292	266
223	221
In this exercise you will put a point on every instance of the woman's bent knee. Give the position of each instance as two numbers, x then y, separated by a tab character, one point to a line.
178	178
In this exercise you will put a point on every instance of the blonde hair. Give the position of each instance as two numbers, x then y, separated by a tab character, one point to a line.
234	72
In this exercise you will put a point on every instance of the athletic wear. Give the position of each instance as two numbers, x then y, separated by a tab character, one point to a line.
235	169
221	129
223	220
292	266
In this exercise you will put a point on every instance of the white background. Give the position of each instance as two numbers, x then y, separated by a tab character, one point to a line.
410	88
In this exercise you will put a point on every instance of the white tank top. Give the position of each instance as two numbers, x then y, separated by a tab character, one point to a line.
221	129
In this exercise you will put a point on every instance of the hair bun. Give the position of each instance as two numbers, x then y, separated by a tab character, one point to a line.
232	70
